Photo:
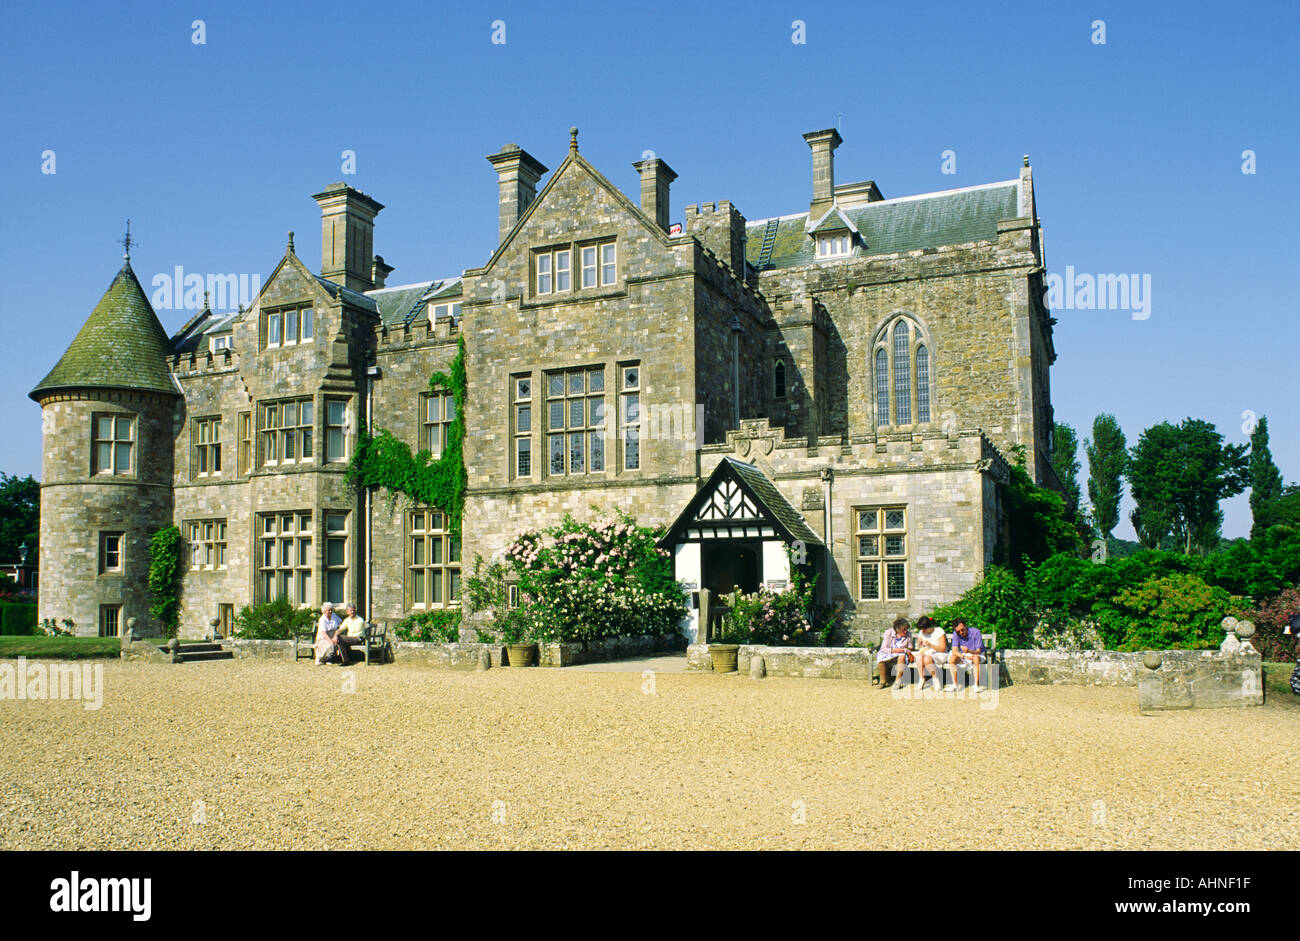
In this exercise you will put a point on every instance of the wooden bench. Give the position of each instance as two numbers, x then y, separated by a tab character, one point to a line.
988	662
376	646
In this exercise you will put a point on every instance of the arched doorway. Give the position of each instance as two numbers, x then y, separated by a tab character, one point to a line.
728	567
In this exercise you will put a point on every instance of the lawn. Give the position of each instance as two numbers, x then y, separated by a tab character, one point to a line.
60	648
1277	678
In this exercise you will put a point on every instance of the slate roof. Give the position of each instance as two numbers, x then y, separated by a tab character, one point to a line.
899	225
120	346
354	298
404	303
775	502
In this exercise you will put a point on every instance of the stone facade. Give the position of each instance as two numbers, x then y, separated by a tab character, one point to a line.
738	339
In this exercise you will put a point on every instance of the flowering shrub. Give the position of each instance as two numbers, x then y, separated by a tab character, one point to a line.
787	618
587	581
430	627
1271	618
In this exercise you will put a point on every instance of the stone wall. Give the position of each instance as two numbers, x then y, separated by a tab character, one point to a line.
611	648
1202	682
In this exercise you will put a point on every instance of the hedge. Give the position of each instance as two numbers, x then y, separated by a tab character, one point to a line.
17	619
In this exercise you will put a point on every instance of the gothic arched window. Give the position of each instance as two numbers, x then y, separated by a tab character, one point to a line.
882	387
778	378
902	366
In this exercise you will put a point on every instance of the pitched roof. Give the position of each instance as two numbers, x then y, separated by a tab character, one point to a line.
898	225
769	506
121	346
404	303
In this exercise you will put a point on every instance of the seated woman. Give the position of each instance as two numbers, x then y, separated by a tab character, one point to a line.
896	648
326	628
931	648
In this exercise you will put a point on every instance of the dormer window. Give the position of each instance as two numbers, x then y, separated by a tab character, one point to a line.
836	245
443	311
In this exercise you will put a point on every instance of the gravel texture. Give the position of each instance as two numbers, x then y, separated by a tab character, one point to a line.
540	758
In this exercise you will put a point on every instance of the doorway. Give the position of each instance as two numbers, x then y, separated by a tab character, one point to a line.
728	567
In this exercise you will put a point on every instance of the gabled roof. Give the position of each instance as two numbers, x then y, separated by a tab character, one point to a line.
120	346
833	220
355	298
738	501
405	303
904	224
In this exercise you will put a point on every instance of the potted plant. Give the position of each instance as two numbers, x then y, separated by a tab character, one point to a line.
734	629
515	631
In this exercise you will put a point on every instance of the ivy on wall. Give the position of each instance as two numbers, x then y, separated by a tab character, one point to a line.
165	578
381	459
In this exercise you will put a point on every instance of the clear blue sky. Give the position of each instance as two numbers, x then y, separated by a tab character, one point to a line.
214	150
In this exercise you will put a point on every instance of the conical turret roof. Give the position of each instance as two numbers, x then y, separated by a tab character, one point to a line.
121	346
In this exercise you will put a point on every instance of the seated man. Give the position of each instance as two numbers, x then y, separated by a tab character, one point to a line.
967	651
896	647
351	633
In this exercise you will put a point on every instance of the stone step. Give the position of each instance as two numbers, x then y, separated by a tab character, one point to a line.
188	656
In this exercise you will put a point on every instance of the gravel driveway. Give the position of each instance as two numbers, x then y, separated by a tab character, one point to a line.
253	755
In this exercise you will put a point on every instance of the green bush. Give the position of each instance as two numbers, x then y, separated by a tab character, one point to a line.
441	626
165	578
998	604
274	620
1178	611
18	619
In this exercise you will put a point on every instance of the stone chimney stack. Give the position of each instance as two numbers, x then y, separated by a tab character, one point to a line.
347	236
823	144
380	271
517	176
656	177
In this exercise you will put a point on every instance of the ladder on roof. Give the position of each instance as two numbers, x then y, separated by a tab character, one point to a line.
769	243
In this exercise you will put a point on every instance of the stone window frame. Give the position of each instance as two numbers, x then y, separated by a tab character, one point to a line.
107	549
337	433
435	431
304	325
271	544
205	449
605	269
110	619
222	342
428	534
630	430
208	544
872	550
114	442
336	534
780	382
522	423
440	310
272	439
245	455
884	387
590	434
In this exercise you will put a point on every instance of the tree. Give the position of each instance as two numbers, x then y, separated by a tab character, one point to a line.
1265	478
20	517
1107	461
1065	453
1178	475
1039	523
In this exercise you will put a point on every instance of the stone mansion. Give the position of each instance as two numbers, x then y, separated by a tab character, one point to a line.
849	380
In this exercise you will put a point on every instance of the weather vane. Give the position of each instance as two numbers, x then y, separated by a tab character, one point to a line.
127	242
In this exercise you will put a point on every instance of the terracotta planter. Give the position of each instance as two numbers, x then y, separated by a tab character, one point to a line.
724	657
520	655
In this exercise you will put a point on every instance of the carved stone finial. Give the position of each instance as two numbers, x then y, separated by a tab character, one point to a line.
291	242
573	140
1026	159
205	301
1151	660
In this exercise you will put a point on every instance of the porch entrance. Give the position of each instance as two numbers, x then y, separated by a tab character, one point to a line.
729	567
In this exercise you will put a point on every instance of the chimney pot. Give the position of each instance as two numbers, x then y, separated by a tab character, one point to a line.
823	144
517	175
656	177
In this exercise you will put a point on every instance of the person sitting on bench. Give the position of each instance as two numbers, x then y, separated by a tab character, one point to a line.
967	650
931	648
351	633
326	628
895	646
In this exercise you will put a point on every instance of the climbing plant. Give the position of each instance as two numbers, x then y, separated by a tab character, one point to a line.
165	578
381	459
